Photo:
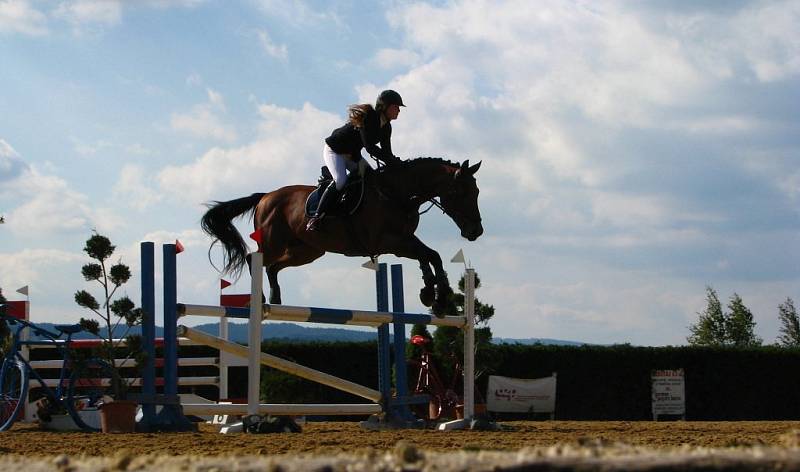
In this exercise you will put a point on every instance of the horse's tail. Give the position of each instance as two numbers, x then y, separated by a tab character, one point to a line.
218	223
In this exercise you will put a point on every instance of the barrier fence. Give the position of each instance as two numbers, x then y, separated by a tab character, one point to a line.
394	408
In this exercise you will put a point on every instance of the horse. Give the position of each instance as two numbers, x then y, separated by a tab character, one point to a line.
384	223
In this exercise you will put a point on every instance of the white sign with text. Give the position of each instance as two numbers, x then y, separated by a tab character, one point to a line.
669	392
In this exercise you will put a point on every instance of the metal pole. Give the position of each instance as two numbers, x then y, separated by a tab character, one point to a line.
399	332
469	344
384	365
147	255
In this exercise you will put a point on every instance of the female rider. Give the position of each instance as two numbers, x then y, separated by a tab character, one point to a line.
366	127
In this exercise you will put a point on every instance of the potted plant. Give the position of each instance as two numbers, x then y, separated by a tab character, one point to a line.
120	349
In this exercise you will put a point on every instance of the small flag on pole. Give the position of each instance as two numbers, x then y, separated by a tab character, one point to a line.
23	290
178	247
459	257
223	283
371	264
256	236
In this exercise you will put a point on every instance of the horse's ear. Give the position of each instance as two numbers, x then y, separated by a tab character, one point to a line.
463	169
475	168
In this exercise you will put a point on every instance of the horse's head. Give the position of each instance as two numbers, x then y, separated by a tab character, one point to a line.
459	199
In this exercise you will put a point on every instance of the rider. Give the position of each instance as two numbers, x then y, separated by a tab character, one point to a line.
366	127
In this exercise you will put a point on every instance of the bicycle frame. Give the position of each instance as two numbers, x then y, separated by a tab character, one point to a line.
51	339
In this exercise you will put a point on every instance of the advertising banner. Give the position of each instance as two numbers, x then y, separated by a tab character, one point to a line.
509	395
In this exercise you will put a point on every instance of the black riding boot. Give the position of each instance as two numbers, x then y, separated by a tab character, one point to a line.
329	195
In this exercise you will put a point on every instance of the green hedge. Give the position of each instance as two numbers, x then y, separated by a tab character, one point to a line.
613	382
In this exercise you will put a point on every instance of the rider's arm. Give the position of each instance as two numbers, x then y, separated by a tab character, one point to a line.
386	146
370	135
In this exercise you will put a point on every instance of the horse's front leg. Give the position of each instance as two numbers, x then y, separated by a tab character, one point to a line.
443	290
436	291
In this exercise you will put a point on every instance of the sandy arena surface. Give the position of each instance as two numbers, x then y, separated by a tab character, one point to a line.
546	445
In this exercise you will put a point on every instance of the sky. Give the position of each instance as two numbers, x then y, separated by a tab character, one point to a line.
633	153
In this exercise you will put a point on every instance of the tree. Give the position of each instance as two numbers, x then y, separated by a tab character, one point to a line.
739	324
112	312
790	324
718	328
710	329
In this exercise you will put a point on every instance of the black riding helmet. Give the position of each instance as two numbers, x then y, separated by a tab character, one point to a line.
389	97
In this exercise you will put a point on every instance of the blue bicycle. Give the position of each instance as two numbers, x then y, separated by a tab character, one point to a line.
82	384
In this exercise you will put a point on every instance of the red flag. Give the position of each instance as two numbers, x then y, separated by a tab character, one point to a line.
223	283
256	236
178	247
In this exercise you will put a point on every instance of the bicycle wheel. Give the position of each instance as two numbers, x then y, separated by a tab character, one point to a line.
89	385
13	391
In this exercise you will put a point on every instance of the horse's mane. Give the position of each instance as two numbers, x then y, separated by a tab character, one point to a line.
424	159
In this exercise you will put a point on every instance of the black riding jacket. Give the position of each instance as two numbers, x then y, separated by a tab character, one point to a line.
350	140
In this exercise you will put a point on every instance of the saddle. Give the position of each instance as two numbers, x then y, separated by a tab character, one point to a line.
349	201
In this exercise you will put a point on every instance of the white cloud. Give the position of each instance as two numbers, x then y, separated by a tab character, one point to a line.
133	188
204	120
81	13
288	149
18	16
47	204
296	12
278	51
394	58
11	165
174	3
33	267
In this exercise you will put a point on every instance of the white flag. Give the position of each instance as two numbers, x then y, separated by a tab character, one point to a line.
459	257
23	290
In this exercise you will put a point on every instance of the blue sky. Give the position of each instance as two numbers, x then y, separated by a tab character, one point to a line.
633	152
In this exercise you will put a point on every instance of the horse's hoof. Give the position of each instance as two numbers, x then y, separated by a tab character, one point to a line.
427	296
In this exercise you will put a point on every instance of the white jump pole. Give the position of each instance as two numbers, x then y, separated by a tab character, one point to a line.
469	344
469	351
254	328
280	364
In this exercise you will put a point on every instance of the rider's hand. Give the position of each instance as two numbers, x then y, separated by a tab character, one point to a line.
362	167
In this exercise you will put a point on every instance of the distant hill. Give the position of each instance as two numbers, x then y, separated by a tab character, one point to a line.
547	341
238	333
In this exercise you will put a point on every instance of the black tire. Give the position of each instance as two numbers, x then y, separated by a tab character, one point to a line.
89	384
13	391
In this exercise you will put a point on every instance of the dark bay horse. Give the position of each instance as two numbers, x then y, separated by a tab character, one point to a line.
385	223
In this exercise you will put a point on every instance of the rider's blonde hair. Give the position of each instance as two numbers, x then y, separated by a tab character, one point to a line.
356	113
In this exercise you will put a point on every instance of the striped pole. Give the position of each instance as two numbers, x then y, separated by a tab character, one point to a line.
306	314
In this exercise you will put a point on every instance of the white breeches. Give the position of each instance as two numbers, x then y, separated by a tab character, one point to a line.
338	165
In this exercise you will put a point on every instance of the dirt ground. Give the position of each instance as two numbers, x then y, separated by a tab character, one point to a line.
339	437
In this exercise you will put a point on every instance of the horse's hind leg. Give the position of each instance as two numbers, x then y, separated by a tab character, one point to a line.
294	256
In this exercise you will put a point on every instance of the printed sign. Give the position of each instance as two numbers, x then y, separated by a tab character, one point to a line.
506	394
668	392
